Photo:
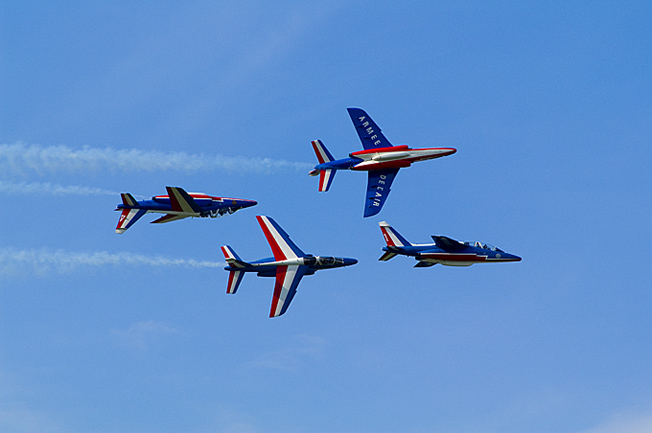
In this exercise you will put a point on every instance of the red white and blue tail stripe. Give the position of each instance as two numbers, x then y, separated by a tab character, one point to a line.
127	218
392	237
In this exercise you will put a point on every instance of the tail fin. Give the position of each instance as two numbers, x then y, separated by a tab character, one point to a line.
392	237
323	156
128	199
235	276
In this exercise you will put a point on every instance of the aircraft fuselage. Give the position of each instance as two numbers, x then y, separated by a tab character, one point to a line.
431	253
210	205
267	267
383	158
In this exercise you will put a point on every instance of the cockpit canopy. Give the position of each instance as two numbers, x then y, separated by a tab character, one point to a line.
323	261
479	244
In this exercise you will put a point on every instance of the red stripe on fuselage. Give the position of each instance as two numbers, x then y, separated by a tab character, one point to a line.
380	150
453	257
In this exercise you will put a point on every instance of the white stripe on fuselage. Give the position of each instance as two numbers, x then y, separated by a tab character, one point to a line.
296	261
410	154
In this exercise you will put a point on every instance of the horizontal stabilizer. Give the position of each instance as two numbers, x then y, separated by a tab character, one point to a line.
323	155
424	264
168	218
326	179
235	278
448	244
127	218
387	256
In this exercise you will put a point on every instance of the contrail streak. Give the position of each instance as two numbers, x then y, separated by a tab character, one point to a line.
50	188
22	158
46	261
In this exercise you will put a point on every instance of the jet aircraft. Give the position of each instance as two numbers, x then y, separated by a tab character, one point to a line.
288	265
178	204
445	250
380	159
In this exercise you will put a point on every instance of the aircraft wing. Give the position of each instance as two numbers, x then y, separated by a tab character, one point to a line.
168	218
448	244
287	280
181	201
367	130
378	186
279	241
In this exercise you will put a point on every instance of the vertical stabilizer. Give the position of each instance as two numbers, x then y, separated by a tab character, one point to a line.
392	237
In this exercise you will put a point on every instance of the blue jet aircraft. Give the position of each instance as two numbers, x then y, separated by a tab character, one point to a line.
178	204
445	250
289	265
379	158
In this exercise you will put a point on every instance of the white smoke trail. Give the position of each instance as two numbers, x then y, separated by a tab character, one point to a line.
21	158
50	188
46	261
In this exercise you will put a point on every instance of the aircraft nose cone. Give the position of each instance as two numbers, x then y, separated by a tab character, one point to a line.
349	262
450	151
249	203
512	258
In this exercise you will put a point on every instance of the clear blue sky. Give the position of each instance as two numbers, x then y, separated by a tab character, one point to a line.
549	105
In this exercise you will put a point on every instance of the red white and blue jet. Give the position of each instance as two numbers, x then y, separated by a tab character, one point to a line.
379	158
445	250
288	265
178	204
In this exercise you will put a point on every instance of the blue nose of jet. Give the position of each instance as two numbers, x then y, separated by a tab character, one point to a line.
247	203
349	262
511	258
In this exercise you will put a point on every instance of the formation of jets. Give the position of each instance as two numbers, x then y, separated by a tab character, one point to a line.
379	158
